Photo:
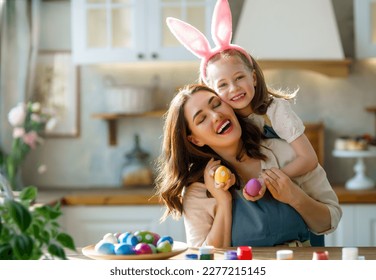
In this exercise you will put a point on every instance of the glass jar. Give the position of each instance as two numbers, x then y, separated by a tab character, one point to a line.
136	171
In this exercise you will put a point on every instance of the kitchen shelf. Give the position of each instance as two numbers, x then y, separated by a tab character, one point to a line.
331	68
112	118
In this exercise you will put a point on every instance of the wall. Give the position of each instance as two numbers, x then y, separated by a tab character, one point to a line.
88	161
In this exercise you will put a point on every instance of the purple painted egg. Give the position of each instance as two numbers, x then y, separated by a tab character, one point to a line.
143	248
253	187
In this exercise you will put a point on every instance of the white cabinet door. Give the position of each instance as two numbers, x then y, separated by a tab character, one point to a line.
106	31
88	224
365	225
161	41
365	28
357	227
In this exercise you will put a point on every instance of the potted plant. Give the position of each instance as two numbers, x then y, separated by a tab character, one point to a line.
29	231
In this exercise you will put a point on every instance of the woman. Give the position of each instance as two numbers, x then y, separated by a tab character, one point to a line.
201	132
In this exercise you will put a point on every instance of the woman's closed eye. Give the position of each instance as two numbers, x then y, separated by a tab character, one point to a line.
202	116
201	119
216	103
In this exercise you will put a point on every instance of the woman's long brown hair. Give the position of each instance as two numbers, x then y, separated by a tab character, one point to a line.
181	163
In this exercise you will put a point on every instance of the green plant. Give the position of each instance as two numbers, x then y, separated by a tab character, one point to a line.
31	232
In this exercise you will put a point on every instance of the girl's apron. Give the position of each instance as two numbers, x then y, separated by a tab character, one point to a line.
266	222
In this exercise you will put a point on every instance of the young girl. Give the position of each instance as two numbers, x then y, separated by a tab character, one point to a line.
239	81
200	133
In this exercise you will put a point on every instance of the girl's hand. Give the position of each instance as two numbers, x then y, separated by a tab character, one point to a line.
259	195
280	185
218	191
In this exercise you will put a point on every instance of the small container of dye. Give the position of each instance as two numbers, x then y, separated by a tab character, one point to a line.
231	255
349	253
206	253
244	253
284	254
191	257
320	255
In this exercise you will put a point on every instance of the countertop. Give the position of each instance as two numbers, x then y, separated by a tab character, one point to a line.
146	196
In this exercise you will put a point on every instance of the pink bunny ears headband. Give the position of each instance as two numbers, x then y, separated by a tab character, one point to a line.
196	42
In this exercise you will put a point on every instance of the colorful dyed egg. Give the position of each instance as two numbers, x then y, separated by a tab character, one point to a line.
104	247
253	187
110	237
128	238
143	248
123	237
144	237
164	247
166	238
153	248
156	238
222	174
124	249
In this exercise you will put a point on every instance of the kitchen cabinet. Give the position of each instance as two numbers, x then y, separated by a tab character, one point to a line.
365	28
356	228
88	224
105	31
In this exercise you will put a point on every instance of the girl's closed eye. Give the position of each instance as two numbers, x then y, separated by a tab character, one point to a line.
239	77
222	85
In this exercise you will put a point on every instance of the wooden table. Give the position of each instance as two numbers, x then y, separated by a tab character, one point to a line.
264	253
300	253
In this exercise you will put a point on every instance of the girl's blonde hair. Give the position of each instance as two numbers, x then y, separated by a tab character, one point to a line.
263	94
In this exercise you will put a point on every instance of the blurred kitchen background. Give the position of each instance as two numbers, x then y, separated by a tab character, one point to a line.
89	160
143	59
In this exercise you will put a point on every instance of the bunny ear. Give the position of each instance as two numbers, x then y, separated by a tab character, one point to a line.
189	37
222	24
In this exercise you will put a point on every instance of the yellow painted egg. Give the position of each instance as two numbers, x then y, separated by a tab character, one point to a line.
222	174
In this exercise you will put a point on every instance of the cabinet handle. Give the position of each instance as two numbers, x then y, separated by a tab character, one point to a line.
140	55
154	55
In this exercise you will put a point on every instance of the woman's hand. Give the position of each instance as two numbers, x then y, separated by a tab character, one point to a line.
218	191
280	185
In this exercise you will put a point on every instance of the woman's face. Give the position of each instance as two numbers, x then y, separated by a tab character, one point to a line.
212	122
234	82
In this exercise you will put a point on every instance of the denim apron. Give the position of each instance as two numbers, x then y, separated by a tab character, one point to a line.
266	222
316	240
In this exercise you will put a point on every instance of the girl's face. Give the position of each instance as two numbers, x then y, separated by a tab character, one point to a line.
212	122
234	83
